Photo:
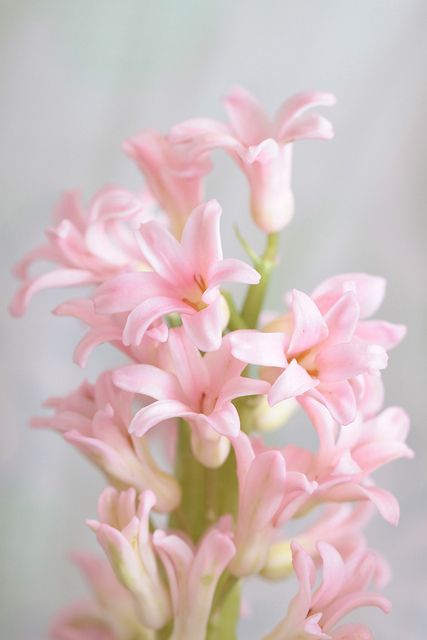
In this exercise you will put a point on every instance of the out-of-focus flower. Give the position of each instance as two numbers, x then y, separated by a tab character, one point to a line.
341	525
95	419
348	455
173	175
193	575
109	616
321	348
262	147
200	389
269	496
186	278
88	247
124	534
315	613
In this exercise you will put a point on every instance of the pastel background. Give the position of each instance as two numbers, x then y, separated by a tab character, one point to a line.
76	79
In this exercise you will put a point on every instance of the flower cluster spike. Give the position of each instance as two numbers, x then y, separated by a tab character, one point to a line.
196	501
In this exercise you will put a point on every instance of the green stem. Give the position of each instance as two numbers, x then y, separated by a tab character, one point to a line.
255	296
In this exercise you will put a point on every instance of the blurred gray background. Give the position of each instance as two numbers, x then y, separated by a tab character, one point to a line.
76	79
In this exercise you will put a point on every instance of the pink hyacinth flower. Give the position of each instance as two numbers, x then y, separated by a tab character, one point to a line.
124	534
193	575
109	329
323	350
95	419
262	147
87	246
200	389
347	456
110	615
186	278
174	177
269	496
316	612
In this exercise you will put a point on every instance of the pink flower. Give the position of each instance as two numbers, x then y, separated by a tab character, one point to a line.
323	349
200	389
123	532
193	575
347	456
109	616
269	496
173	176
316	612
109	329
340	525
261	147
95	419
88	247
186	278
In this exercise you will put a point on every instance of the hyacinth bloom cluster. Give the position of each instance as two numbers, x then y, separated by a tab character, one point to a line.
196	500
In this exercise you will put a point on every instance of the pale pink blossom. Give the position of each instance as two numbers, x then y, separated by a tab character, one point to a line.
323	348
347	456
186	278
261	146
109	615
109	329
341	525
317	612
123	531
95	419
193	574
87	246
173	175
199	389
269	495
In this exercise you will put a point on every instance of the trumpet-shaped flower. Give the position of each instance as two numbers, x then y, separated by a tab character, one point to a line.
110	615
200	389
341	525
316	612
123	532
323	349
174	177
109	329
185	279
347	456
262	147
269	496
193	575
87	246
95	419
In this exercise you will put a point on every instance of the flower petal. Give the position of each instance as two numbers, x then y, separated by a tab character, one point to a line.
157	412
293	382
205	327
248	119
309	326
255	347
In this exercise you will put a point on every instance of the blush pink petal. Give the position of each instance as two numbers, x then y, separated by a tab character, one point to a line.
149	381
342	361
386	334
309	326
339	398
52	279
147	312
205	327
148	417
292	382
264	349
248	119
369	291
342	319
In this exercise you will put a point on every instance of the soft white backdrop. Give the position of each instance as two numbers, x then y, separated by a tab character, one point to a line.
79	77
